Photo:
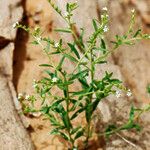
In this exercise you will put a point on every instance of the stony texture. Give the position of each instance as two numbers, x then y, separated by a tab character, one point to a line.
6	57
10	12
13	135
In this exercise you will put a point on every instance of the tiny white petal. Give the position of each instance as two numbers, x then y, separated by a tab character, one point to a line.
36	114
133	10
118	93
105	8
54	79
35	85
20	95
15	24
105	29
27	97
39	39
56	45
129	93
34	80
66	14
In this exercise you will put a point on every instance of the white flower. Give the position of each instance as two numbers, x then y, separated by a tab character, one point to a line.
15	24
34	80
27	97
133	10
54	80
35	85
104	16
118	93
20	95
66	14
39	39
105	8
105	29
56	45
129	93
36	114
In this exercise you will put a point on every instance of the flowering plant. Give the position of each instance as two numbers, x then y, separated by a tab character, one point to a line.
62	110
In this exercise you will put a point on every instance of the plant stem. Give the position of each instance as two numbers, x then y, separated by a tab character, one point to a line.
91	96
67	109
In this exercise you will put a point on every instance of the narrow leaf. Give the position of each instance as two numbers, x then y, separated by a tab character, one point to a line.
72	47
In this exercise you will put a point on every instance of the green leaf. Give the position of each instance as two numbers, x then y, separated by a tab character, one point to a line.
79	134
79	74
103	46
63	30
75	130
60	109
131	125
57	132
50	73
137	33
131	117
35	43
75	103
45	109
115	81
148	88
95	24
45	65
70	57
109	129
82	92
60	63
101	62
77	113
90	108
72	47
56	103
84	83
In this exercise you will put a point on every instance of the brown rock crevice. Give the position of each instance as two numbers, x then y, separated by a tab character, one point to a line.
20	53
13	135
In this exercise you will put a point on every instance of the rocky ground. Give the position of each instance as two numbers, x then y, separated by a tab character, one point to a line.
129	64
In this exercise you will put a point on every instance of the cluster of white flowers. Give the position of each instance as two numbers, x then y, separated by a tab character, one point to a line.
54	80
35	85
104	8
129	93
27	97
15	24
20	96
133	10
105	29
66	14
56	45
38	39
118	93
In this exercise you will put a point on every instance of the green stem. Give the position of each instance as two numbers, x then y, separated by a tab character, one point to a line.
91	96
67	108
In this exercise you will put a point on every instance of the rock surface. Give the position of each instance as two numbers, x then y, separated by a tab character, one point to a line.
13	135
